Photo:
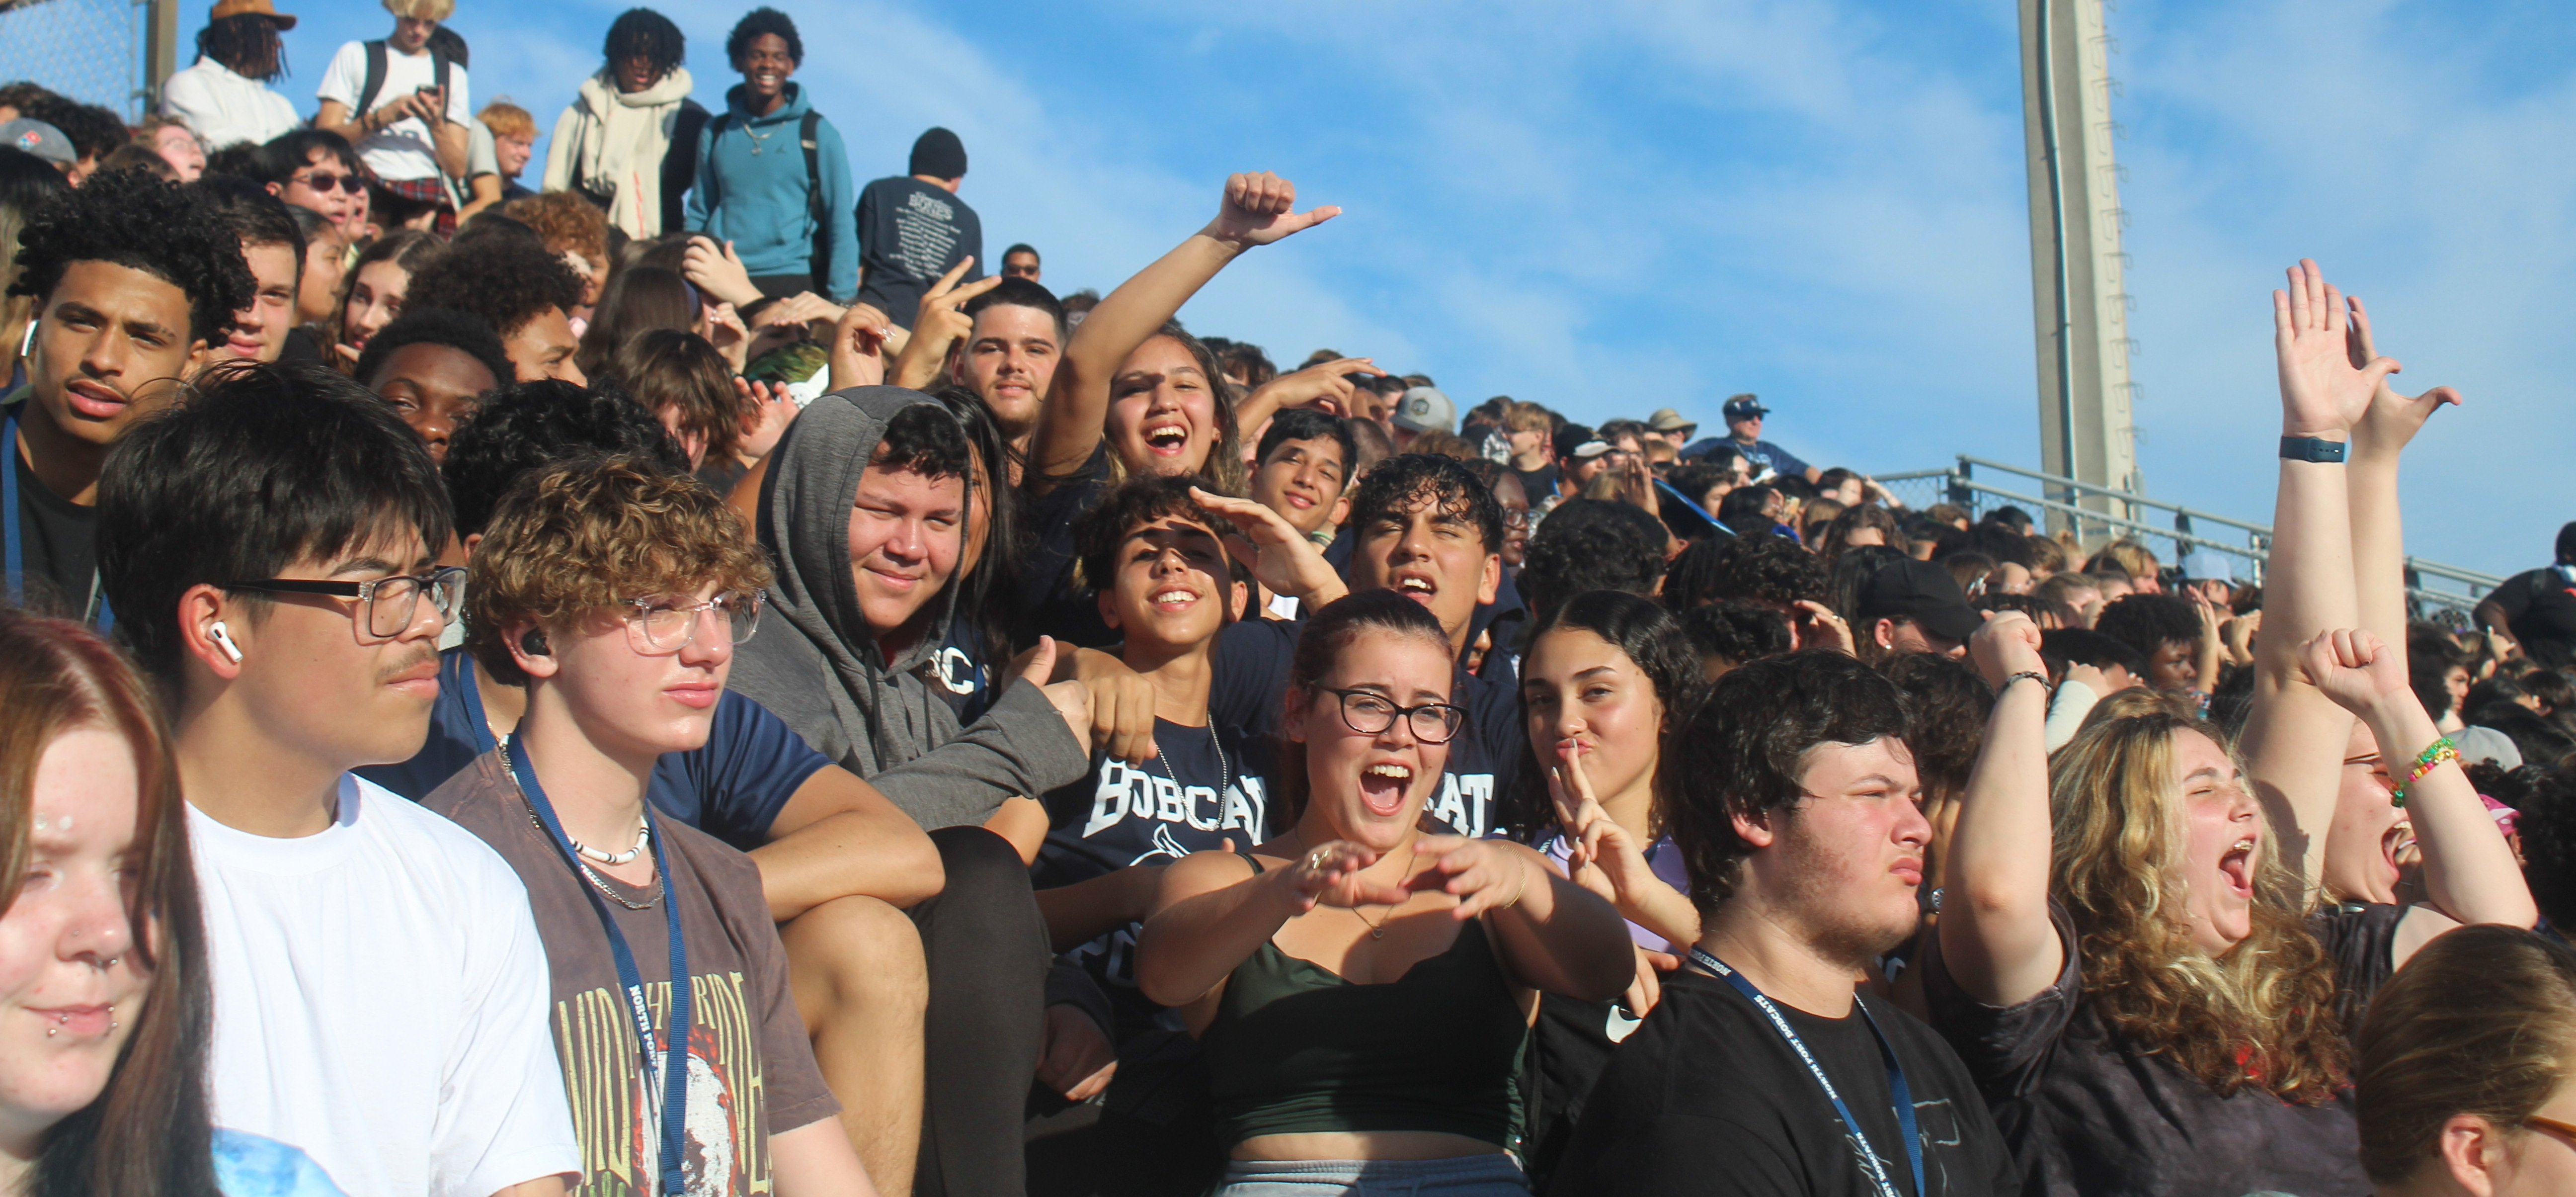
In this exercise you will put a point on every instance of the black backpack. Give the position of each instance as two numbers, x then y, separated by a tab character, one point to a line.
822	253
438	64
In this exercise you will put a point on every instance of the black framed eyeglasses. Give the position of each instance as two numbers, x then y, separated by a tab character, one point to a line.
388	604
1370	713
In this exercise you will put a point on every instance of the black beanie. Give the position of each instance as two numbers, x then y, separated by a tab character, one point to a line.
939	154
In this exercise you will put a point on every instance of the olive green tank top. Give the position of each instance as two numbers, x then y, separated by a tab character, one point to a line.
1294	1048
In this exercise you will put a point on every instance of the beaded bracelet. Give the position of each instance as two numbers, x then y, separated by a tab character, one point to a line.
2430	759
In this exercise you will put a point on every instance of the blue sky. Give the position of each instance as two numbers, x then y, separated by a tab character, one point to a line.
1614	207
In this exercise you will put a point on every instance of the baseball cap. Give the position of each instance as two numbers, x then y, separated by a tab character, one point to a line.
1920	591
1745	407
1666	419
38	138
2206	566
235	8
1577	441
1425	409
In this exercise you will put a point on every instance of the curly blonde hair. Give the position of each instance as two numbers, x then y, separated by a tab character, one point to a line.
2261	1014
576	538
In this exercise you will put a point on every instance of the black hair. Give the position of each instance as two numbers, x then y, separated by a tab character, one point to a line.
2231	702
434	326
989	593
2032	605
760	21
2566	546
256	217
1021	293
1745	501
2431	654
503	280
1098	533
2061	647
1736	631
642	31
291	151
265	466
1257	366
1588	544
2148	622
2541	739
2552	688
92	130
246	43
1793	486
1853	570
1996	539
1743	751
1330	630
1767	568
493	223
173	233
1946	706
523	425
1397	484
925	439
1652	640
1308	424
1021	247
2546	823
27	181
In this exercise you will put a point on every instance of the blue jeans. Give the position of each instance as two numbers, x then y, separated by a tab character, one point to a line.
1493	1175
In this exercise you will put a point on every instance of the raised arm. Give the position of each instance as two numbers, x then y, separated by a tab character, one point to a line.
2469	870
1996	936
1554	935
2293	741
1324	384
1277	554
2378	531
1258	209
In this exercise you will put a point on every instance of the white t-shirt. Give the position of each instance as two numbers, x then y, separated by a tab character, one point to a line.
381	998
404	149
222	108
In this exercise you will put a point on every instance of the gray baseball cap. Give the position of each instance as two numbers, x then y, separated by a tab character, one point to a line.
1425	409
38	138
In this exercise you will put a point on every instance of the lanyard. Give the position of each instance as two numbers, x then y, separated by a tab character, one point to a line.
472	693
1895	1078
16	563
675	1065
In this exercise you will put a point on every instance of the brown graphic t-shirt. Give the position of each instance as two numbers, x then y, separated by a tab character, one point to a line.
751	1068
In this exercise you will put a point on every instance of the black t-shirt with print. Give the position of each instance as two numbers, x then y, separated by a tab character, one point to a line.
910	233
2087	1114
1193	797
1059	604
1706	1098
1252	663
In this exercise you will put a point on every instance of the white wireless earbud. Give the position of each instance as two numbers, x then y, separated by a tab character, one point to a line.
223	638
27	344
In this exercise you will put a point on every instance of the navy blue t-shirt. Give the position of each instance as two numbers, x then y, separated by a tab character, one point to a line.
730	788
1251	676
1204	788
1060	605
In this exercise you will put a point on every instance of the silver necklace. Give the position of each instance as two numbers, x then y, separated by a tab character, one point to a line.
578	863
1224	771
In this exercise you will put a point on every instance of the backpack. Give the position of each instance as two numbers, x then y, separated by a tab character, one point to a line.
822	252
438	63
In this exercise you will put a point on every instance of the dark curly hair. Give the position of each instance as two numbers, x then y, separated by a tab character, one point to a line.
1946	705
434	326
644	32
507	281
129	218
1742	751
525	425
1735	631
1650	638
1398	483
246	43
2148	622
1587	544
93	130
757	22
2546	825
1126	507
1767	568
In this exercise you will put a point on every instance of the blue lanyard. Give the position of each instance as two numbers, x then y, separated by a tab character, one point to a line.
16	564
472	693
1895	1078
675	1063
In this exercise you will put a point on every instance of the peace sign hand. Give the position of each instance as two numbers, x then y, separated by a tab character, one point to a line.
939	324
1259	208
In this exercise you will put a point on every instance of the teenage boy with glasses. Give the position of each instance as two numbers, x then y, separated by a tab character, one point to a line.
615	592
380	987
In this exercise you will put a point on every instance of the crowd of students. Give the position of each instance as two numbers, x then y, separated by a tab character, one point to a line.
674	683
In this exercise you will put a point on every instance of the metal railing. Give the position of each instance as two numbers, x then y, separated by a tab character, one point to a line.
2434	590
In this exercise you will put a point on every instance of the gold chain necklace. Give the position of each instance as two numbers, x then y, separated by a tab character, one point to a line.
1377	930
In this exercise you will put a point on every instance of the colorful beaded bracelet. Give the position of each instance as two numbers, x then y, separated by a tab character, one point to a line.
2430	759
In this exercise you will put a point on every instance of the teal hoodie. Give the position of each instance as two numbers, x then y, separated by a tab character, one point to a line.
751	190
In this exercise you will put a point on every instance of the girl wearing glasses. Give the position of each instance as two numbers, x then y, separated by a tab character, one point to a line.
1361	991
2466	1078
616	594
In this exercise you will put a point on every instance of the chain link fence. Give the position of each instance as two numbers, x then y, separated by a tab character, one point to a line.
89	50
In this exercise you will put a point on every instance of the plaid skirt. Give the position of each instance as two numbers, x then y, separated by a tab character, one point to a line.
429	191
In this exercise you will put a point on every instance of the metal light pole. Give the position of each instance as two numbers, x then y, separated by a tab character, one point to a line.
160	49
2080	306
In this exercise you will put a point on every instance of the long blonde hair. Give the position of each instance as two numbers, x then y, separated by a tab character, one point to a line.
2261	1014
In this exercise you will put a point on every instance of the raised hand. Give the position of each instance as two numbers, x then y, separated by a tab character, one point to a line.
2008	643
726	332
1817	626
862	341
2353	668
1325	385
1482	874
1280	556
2393	419
1603	858
1071	700
2323	393
767	410
1330	876
939	325
1260	208
718	271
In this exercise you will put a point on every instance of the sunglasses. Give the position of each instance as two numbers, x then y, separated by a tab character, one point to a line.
326	181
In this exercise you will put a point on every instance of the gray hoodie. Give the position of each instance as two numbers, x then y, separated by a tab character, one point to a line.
816	664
